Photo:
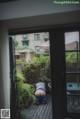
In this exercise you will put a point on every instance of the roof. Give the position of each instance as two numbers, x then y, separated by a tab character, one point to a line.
24	51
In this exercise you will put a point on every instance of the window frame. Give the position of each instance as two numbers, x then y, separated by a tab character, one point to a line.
61	114
23	42
37	37
72	114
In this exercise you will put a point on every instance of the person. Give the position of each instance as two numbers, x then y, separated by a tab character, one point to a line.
40	92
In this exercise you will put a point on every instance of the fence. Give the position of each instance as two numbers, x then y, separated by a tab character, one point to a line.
73	67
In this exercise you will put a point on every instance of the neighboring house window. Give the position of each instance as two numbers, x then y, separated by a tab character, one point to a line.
36	36
25	42
45	39
37	48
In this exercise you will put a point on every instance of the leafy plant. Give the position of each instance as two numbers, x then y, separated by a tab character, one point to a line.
72	57
19	61
25	91
37	68
15	42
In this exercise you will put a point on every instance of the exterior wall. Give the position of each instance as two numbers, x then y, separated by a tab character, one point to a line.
32	41
4	68
19	39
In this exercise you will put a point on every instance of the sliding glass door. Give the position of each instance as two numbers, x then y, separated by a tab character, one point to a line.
72	59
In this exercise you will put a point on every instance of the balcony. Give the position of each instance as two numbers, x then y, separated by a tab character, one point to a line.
42	111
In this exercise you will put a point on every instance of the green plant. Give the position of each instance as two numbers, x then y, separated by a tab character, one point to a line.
15	42
72	57
24	47
20	61
38	67
25	93
20	76
45	79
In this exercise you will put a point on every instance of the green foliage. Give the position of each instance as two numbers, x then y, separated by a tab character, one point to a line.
45	78
20	61
72	64
25	91
15	42
24	47
37	68
20	76
72	57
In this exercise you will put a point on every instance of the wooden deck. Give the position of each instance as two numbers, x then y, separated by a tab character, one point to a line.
42	111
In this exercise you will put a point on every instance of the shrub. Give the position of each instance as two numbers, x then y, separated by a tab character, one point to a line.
25	91
37	68
72	57
19	61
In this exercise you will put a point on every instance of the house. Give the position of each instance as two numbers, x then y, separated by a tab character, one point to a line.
72	45
33	40
21	16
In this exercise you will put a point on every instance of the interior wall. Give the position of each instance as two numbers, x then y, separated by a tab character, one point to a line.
44	20
28	8
2	103
4	68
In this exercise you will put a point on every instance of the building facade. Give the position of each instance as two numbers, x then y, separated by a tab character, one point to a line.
32	41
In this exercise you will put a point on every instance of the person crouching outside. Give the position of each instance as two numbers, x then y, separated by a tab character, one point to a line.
40	92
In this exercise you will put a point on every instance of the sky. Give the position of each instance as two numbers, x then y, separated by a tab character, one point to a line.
71	37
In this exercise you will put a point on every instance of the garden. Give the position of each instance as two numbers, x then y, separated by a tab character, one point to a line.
29	73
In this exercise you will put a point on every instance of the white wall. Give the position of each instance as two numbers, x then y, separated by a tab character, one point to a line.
4	68
27	8
1	77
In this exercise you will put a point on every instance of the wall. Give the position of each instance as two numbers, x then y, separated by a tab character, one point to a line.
28	8
4	68
1	77
32	41
28	13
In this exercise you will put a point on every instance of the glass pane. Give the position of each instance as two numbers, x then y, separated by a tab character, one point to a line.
72	61
73	78
72	58
32	53
72	40
73	93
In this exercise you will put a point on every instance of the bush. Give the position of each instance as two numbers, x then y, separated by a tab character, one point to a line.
19	61
72	57
25	91
37	68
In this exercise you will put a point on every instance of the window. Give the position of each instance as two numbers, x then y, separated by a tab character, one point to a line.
45	39
36	36
72	57
37	48
25	42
